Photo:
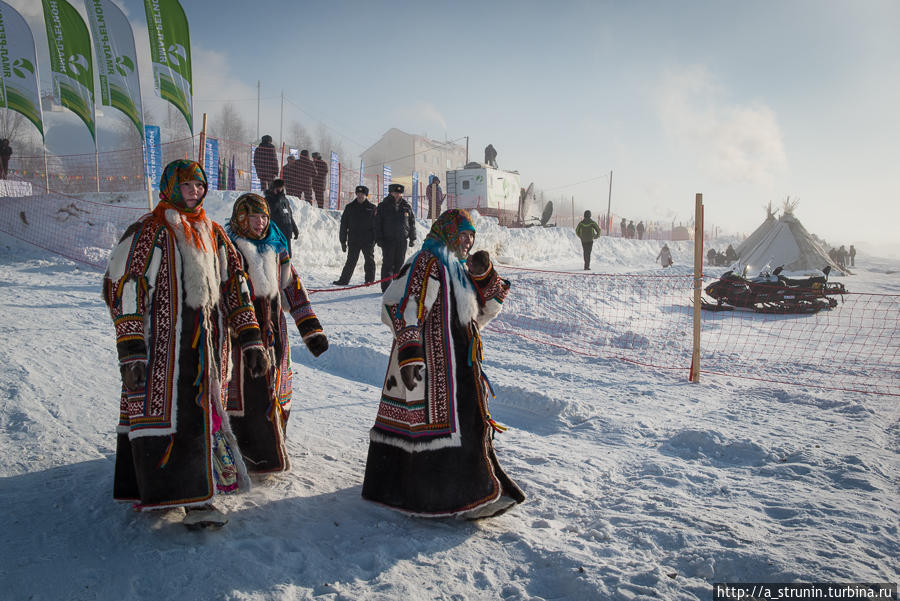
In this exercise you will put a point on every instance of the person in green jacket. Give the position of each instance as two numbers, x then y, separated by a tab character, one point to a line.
587	231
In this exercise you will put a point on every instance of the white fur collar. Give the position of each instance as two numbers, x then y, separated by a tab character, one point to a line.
199	268
262	267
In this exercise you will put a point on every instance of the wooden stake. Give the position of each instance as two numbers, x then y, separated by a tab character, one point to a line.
202	153
698	282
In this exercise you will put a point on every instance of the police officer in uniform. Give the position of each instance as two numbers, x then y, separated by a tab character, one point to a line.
394	225
358	234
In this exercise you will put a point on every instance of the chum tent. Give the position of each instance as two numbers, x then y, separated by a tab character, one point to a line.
753	239
786	242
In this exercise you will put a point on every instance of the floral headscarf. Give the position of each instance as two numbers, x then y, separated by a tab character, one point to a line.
446	229
176	173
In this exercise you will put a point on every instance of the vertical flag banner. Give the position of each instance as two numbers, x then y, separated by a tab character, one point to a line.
415	192
333	182
211	163
362	167
154	154
19	89
255	184
70	60
387	180
232	175
120	86
170	52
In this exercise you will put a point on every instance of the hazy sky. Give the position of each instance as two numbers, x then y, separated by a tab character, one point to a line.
746	102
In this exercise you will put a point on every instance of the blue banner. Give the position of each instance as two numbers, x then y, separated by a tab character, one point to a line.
211	163
153	156
415	192
255	184
333	192
387	180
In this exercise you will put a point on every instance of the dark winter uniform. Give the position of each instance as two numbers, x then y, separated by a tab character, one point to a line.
291	176
587	231
259	407
5	154
394	225
319	178
266	162
640	230
358	236
282	215
431	450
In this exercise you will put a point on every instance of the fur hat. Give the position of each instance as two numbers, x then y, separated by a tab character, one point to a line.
396	188
176	173
363	189
587	214
304	152
267	139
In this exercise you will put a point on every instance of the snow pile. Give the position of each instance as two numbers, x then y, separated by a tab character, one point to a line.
640	485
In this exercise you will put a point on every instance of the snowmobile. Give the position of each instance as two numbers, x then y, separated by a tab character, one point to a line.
772	293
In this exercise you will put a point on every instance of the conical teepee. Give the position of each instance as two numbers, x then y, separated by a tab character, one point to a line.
786	242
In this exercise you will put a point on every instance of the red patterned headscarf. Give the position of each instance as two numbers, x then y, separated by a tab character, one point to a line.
244	206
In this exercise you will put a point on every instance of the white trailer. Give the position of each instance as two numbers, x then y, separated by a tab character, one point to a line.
489	190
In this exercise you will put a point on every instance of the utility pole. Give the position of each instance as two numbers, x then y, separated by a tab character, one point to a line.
257	108
281	120
467	151
609	207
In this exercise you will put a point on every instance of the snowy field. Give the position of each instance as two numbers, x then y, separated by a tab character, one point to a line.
640	485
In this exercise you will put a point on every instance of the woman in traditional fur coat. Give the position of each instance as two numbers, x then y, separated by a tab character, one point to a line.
259	406
177	296
431	451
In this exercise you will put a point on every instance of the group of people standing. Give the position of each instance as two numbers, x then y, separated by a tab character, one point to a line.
204	357
303	176
842	256
629	230
390	225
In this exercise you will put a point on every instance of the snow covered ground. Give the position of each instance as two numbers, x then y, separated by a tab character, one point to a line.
640	484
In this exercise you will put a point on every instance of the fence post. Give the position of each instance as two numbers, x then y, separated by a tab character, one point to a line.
202	152
698	282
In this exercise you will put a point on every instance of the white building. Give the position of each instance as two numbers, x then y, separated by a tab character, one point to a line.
405	153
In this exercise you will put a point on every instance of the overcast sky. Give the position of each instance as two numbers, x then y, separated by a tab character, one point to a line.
745	102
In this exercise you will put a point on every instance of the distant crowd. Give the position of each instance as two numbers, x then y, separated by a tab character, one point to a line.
304	175
842	256
717	258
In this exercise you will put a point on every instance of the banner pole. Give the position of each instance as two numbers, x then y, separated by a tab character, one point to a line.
149	192
202	153
46	171
698	282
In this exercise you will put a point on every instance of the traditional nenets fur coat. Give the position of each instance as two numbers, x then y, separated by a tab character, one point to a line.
259	407
177	296
430	450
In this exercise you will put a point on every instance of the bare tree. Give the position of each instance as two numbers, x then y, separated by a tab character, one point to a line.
228	124
328	144
298	136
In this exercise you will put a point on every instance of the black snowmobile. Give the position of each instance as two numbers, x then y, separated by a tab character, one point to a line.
772	293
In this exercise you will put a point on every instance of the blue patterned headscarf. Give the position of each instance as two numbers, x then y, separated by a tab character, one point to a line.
445	232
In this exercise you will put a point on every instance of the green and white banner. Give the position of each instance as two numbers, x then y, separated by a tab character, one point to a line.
19	90
70	60
170	50
117	65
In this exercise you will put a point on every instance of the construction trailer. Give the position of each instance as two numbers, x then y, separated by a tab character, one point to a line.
492	192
